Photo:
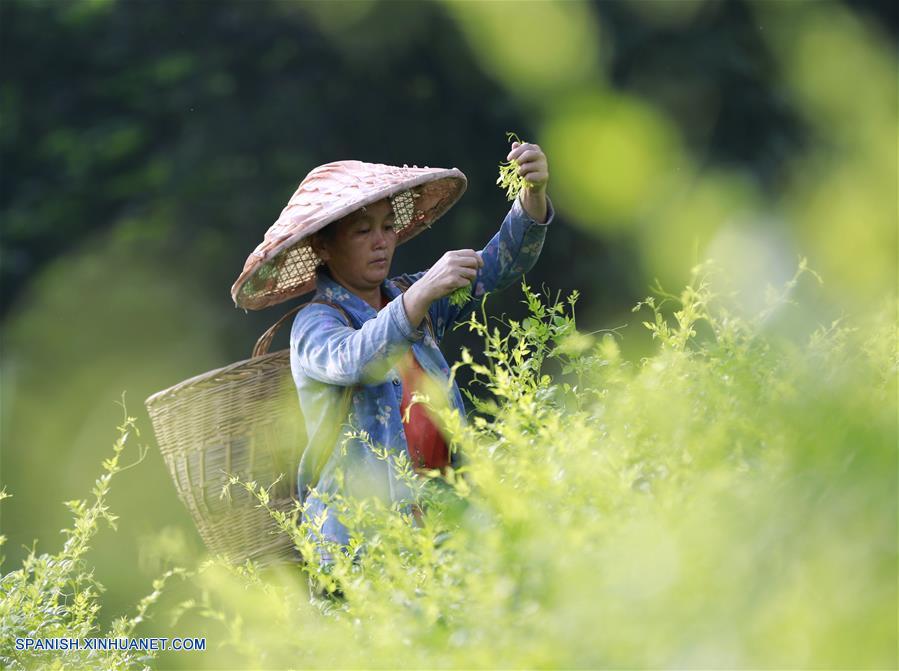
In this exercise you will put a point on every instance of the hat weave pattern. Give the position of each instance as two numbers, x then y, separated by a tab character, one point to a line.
283	265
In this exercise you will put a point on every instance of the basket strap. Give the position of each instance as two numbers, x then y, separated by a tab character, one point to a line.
265	340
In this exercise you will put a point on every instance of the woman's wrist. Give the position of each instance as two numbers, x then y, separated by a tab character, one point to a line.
534	204
416	302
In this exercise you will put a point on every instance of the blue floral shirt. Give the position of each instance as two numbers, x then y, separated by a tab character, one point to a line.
328	355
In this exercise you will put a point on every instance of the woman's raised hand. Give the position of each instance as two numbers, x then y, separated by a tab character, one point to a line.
533	166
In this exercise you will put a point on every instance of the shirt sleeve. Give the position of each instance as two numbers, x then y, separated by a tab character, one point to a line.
330	350
512	252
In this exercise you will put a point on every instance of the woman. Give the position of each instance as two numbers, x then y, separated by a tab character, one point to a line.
361	347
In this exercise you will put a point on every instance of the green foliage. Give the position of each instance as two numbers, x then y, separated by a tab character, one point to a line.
718	503
682	510
509	179
101	147
57	595
460	296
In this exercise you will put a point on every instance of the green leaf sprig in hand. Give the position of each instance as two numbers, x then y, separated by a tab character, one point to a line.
509	179
533	173
460	296
463	294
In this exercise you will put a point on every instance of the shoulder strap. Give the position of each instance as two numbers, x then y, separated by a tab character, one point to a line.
265	340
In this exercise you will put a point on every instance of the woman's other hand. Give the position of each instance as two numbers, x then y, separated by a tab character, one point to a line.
455	269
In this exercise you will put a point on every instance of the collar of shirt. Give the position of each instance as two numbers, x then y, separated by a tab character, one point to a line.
328	288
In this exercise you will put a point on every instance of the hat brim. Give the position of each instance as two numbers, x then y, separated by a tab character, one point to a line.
284	266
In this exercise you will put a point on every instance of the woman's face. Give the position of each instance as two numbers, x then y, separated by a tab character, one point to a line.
359	252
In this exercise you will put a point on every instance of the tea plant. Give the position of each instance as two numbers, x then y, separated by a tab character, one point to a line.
720	502
58	596
679	510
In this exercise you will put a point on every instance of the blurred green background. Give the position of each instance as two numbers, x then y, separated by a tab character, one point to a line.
147	146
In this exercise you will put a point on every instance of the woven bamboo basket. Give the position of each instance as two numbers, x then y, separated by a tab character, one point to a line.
243	419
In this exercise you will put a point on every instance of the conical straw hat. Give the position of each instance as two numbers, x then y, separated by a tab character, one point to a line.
283	265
